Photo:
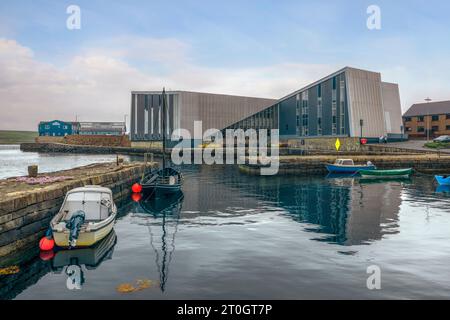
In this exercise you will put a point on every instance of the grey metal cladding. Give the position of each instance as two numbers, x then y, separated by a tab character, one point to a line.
288	116
312	108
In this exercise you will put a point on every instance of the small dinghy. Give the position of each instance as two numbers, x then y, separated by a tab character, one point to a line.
394	173
443	180
347	166
86	217
164	181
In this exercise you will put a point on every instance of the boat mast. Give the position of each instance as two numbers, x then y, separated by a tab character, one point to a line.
164	127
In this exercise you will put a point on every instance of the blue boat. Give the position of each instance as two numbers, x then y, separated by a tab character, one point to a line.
443	180
348	166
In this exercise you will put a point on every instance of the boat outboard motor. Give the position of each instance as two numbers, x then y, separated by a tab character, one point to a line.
74	225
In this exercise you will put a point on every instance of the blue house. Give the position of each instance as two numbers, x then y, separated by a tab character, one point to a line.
57	128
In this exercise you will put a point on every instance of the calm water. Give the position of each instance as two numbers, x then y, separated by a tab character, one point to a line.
243	237
14	163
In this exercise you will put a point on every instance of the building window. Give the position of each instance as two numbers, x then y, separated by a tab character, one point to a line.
342	106
334	112
435	118
319	116
420	129
447	128
434	128
408	129
298	114
421	119
407	119
305	112
448	117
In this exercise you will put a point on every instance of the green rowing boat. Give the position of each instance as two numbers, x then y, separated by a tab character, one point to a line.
395	173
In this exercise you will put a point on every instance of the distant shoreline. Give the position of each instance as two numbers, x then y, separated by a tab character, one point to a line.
11	137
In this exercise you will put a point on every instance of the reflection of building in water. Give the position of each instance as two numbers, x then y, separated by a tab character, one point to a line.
345	211
373	211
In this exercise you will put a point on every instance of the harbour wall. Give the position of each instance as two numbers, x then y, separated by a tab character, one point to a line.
315	165
155	149
26	210
88	140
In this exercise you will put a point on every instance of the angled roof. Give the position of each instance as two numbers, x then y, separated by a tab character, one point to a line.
432	108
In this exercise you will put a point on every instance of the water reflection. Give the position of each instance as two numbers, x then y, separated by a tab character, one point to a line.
342	210
161	216
232	228
73	261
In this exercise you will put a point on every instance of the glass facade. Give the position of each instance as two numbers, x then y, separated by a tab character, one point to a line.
319	110
266	119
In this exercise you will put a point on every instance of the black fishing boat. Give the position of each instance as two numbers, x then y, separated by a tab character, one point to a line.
167	180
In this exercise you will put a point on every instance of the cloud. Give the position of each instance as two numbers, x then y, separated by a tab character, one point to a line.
96	84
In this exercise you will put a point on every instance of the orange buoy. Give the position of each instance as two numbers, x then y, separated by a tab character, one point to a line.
136	188
136	197
46	244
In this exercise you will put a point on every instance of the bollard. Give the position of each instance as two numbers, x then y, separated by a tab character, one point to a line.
33	171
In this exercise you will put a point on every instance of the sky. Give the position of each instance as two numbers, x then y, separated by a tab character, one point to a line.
245	47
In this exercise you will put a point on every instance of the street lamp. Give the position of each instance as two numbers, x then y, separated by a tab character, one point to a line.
361	123
428	100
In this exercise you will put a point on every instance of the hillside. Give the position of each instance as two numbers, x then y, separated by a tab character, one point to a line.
16	137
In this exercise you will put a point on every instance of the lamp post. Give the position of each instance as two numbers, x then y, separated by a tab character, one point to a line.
361	123
428	100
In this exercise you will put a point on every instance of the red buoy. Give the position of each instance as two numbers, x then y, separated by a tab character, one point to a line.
46	255
46	244
136	188
136	197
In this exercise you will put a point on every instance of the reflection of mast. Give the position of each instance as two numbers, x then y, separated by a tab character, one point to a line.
163	244
167	250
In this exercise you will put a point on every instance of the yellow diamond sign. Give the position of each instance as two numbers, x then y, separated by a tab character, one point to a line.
337	144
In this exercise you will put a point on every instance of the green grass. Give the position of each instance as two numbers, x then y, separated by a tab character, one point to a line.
438	145
17	137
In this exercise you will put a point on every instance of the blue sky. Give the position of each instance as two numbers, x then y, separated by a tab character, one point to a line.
278	45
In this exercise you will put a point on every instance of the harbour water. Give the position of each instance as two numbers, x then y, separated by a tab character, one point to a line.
14	162
233	236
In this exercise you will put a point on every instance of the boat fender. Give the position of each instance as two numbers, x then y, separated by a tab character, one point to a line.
74	226
47	243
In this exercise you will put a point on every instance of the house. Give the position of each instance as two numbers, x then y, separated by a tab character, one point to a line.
57	128
428	119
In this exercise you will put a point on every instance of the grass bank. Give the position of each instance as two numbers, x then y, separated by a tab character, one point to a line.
17	137
438	145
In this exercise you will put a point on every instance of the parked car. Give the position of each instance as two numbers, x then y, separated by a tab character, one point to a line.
442	139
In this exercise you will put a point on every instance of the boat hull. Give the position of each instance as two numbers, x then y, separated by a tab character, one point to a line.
443	181
85	238
160	189
386	174
332	168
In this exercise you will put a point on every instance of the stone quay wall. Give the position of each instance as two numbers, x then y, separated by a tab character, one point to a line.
315	165
25	211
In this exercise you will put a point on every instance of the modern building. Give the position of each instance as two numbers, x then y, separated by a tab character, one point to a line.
428	119
216	111
348	103
102	128
57	128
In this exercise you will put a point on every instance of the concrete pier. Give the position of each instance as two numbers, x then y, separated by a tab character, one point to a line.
26	210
